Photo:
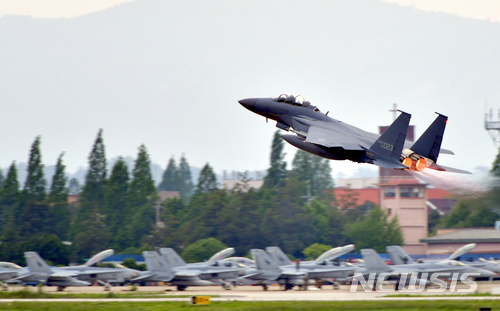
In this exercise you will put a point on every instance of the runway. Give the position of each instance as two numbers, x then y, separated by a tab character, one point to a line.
255	293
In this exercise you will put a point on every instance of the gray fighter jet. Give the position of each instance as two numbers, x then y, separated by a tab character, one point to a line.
449	269
317	269
269	270
104	276
332	139
40	272
399	256
160	271
8	270
215	269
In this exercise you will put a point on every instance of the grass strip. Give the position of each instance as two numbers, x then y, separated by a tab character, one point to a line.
257	306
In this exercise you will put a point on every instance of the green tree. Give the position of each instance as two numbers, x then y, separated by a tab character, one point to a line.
207	181
2	178
93	237
9	198
74	186
37	219
34	188
92	196
58	201
49	247
170	179
315	250
141	197
432	221
314	171
375	231
202	250
116	208
11	248
142	185
186	179
495	169
277	171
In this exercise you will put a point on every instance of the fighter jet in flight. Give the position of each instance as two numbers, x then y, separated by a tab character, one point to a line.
317	133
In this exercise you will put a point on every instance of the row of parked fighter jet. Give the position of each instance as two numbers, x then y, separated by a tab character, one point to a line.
268	266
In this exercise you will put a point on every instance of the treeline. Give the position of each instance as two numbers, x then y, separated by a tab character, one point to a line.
294	209
474	209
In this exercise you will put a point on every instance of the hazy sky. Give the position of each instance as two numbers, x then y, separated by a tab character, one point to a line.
226	63
479	9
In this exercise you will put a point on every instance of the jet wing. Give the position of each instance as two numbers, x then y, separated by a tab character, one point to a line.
186	273
95	271
63	274
21	278
143	277
329	138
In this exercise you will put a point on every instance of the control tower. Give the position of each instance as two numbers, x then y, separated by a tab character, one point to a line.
493	126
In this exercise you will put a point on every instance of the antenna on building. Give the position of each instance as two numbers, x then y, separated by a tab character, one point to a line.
492	126
394	111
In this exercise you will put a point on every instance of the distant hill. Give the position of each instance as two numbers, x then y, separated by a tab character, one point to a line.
169	73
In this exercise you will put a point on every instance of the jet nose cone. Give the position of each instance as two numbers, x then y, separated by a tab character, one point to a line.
248	103
487	273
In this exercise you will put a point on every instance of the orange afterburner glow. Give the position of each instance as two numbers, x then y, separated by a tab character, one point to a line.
421	164
418	165
410	163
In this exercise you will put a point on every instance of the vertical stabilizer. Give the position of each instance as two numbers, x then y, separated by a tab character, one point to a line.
398	255
263	261
171	256
429	144
36	264
156	263
390	143
279	257
373	262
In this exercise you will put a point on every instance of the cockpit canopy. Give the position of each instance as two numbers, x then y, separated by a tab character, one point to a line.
294	99
453	263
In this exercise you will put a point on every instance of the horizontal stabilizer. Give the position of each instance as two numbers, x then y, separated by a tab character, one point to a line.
443	168
142	277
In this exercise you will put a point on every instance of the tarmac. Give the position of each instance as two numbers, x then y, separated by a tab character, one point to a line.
256	293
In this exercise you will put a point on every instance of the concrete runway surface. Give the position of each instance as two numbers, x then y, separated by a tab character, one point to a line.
255	293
